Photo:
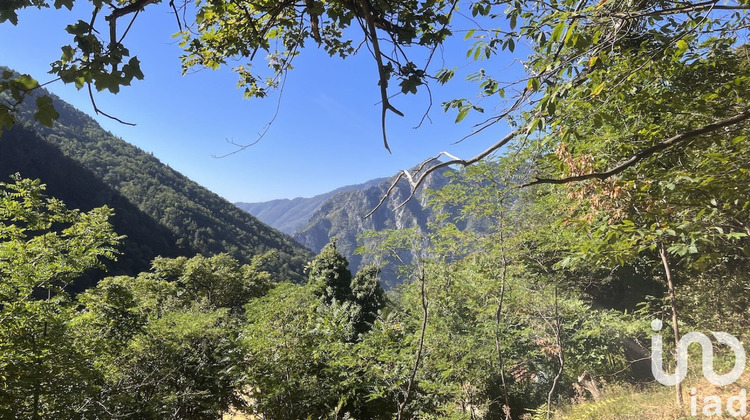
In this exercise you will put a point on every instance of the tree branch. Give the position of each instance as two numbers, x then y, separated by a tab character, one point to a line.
645	153
425	172
99	111
370	32
130	8
119	12
420	347
696	7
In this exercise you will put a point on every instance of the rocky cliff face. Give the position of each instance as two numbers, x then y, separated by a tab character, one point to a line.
342	217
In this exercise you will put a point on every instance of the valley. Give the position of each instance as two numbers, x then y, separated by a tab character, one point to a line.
578	226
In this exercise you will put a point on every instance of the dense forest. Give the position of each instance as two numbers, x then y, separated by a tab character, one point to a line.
614	215
502	321
161	212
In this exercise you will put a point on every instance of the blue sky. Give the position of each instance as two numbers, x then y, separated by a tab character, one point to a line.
327	133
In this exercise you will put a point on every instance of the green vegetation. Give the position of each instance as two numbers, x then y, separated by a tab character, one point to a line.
161	212
622	195
486	323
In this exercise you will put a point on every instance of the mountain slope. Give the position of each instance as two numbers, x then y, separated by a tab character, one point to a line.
342	217
290	215
188	218
23	151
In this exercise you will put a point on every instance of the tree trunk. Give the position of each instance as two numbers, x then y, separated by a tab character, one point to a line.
418	357
498	315
673	304
558	337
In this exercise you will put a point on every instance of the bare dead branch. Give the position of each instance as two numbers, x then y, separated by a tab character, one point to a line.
415	184
645	153
99	111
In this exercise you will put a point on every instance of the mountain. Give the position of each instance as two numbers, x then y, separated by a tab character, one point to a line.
289	215
161	211
340	214
342	217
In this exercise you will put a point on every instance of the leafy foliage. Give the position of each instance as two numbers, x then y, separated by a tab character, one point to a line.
626	165
43	247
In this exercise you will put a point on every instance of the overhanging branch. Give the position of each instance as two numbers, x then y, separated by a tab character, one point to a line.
643	154
424	172
415	182
687	8
370	32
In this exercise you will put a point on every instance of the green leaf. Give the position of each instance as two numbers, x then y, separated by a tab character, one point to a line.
68	4
462	113
682	46
132	70
27	82
7	119
598	89
557	31
46	113
444	75
533	84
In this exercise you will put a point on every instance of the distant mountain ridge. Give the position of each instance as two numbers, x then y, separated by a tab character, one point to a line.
161	211
341	212
289	215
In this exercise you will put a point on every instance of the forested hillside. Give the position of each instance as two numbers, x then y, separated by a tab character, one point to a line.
161	211
23	151
613	200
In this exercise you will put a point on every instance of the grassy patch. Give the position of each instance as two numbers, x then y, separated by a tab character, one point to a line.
654	402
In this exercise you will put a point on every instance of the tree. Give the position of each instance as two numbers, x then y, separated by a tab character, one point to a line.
369	297
43	247
166	344
302	343
220	279
577	50
185	364
329	275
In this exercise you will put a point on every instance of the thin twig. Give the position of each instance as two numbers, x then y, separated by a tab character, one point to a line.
99	111
176	14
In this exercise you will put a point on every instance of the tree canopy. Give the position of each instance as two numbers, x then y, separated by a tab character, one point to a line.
628	132
576	55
